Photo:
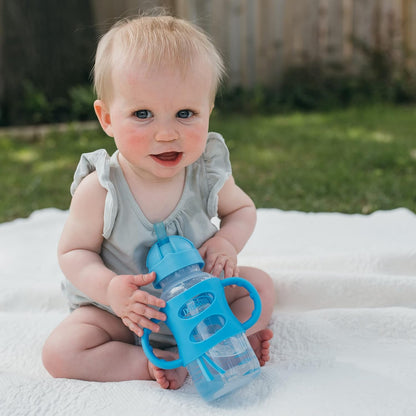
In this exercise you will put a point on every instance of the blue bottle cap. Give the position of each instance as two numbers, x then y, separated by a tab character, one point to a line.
171	254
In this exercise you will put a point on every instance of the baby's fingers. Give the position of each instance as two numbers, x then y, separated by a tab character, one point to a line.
230	269
132	326
147	323
214	265
137	324
148	312
223	264
144	279
140	296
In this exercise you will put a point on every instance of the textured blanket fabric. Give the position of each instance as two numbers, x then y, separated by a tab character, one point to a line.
344	323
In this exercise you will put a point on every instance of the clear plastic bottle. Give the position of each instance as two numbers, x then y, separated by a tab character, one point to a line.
234	355
219	367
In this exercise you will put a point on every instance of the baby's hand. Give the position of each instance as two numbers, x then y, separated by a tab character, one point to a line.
219	255
133	305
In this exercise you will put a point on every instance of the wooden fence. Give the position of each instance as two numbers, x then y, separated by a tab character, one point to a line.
260	39
48	46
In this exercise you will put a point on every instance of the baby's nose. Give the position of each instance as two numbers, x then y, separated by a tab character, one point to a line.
166	134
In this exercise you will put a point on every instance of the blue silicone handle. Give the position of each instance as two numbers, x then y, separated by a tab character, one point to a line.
238	281
158	362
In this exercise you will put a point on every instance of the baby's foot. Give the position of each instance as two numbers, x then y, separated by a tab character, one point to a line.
260	342
168	379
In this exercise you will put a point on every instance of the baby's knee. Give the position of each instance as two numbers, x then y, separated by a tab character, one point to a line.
54	358
266	289
262	282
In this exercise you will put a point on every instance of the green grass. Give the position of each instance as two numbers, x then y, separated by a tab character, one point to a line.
37	174
355	161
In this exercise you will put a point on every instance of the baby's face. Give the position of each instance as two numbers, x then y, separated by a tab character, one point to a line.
159	119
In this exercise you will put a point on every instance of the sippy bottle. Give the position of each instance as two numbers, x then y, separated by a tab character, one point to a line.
211	341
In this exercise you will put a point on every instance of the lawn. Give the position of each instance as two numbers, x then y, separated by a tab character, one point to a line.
356	161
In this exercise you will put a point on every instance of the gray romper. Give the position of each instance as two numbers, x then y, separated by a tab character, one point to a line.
128	234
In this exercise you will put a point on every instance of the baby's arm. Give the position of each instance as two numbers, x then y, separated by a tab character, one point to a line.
79	257
237	213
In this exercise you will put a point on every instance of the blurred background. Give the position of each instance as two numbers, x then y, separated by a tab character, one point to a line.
301	54
318	107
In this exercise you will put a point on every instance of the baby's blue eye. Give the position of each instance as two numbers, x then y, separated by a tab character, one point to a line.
143	114
184	114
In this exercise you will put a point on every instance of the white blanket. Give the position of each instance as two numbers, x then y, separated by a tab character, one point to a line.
344	323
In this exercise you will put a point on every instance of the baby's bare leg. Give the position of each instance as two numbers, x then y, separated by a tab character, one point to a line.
242	306
91	344
94	345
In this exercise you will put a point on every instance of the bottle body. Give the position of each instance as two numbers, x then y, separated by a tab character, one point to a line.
229	364
240	367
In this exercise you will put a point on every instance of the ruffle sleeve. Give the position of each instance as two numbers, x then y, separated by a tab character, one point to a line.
100	162
218	169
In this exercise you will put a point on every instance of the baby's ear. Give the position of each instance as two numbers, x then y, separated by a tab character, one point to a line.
103	116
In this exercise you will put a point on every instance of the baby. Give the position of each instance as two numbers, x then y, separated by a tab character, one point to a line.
156	79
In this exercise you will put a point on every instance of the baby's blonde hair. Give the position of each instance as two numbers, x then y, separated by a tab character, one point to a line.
157	42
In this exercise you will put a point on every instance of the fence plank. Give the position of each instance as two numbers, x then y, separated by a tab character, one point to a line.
270	60
323	29
409	33
334	32
235	25
347	32
2	64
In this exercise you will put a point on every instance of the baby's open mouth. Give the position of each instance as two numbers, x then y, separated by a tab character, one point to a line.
168	157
